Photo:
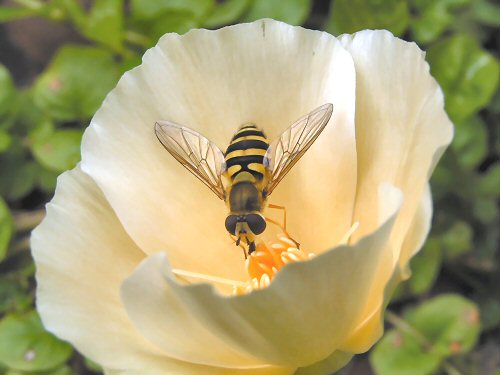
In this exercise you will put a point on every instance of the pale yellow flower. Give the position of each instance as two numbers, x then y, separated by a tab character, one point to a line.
129	219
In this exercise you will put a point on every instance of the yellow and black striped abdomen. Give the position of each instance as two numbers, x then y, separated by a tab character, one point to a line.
246	152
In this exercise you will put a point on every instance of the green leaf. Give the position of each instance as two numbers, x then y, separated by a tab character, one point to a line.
18	172
295	12
130	62
6	228
171	22
105	23
226	13
443	178
13	296
400	354
60	150
56	10
349	16
457	240
489	182
76	82
490	311
147	10
26	346
14	13
486	12
5	140
59	10
7	92
41	130
91	365
450	322
22	181
470	142
64	370
26	114
425	267
486	209
467	73
433	17
47	179
427	335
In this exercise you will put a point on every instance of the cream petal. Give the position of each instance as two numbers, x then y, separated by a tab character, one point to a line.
401	126
184	368
82	255
398	142
327	366
164	319
367	333
371	327
269	323
213	81
417	234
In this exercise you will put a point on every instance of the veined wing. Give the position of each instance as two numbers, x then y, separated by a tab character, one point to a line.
285	151
200	156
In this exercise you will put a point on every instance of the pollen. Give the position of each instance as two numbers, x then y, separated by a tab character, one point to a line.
266	261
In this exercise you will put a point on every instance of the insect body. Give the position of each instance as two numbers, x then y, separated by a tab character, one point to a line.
250	169
246	193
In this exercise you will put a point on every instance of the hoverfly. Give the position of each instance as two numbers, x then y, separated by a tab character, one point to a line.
251	166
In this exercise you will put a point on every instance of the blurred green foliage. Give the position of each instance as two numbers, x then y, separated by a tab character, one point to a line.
434	329
427	335
61	93
349	16
26	346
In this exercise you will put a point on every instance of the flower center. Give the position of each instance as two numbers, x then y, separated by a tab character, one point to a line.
265	262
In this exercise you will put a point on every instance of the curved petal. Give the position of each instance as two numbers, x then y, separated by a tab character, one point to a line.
165	320
368	332
401	131
371	327
326	366
82	255
417	234
266	72
401	126
269	323
184	368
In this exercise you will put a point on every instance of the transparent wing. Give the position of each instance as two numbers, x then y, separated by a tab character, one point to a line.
200	156
285	151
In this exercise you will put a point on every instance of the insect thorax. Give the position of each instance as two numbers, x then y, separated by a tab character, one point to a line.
245	197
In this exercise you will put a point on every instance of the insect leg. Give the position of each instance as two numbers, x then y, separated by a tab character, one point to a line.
251	247
270	205
237	242
283	229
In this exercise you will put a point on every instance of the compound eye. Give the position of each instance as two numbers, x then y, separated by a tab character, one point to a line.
231	221
256	223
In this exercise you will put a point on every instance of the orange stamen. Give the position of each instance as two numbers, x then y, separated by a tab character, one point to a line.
262	265
266	261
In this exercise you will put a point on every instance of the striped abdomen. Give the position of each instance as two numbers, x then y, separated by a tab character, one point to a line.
246	153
